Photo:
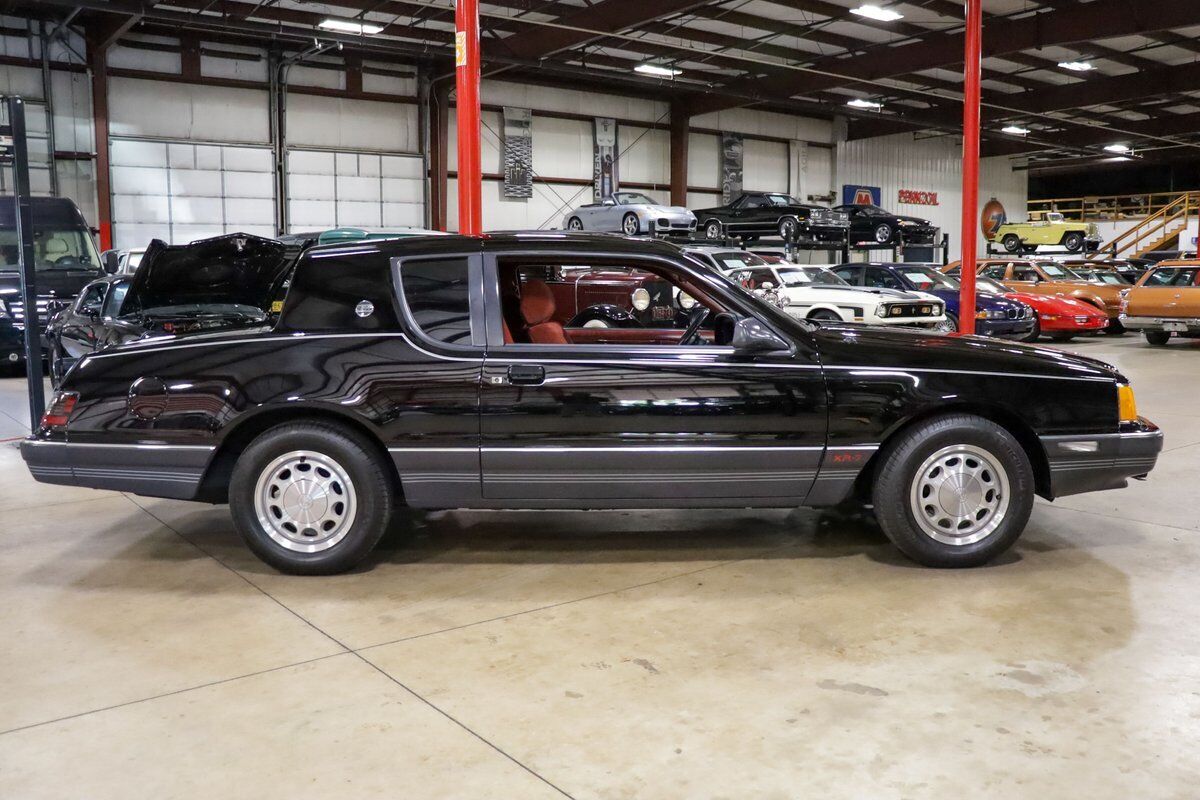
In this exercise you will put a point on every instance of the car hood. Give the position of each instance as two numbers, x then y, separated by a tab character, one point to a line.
874	348
237	269
914	220
892	294
1054	304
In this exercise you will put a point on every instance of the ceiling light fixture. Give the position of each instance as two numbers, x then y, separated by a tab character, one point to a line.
1118	148
1015	130
877	13
858	102
657	70
349	26
1076	66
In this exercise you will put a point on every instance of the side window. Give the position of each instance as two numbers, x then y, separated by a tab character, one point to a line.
438	296
995	271
91	300
116	294
617	303
881	279
1025	274
849	274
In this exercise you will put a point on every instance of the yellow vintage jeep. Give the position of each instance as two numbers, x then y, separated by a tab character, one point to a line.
1047	228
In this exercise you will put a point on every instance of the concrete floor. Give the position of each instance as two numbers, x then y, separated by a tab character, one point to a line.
736	654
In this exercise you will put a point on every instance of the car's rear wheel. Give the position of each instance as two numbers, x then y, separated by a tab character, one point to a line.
883	233
712	229
1073	241
1011	242
953	491
1034	332
629	224
575	224
311	498
1156	338
57	368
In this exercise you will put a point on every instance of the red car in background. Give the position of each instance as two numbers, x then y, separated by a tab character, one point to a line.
1060	317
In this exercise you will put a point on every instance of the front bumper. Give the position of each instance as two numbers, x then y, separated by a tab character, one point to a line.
1003	327
1171	324
1081	323
673	226
1102	461
821	233
918	235
155	470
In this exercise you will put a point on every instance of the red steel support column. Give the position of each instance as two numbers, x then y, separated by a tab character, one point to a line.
970	188
466	63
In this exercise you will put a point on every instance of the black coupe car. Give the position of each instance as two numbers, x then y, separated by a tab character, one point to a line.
872	225
432	372
755	214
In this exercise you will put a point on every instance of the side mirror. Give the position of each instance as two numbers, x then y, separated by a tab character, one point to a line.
751	338
111	260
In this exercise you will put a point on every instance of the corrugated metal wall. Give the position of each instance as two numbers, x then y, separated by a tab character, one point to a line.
930	165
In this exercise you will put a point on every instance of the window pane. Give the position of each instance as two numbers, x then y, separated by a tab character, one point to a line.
438	297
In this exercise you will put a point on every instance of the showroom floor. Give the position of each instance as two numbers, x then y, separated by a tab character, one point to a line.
734	654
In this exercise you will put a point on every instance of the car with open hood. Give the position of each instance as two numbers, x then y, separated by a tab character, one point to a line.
1165	302
434	373
995	315
630	213
752	215
231	281
816	293
875	226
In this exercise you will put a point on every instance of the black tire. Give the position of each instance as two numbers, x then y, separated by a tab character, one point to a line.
1115	328
1011	242
1073	241
575	224
897	482
788	226
630	225
950	325
56	368
883	233
1061	336
371	493
824	315
1156	338
1034	332
713	229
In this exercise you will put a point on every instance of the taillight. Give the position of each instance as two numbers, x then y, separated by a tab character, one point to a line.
60	409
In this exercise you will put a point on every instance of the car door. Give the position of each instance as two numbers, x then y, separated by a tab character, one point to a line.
631	424
860	224
80	322
759	216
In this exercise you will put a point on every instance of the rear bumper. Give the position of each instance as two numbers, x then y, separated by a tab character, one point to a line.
155	470
1189	324
1102	461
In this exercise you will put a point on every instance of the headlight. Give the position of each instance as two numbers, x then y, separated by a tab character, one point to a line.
641	299
1126	406
686	301
881	310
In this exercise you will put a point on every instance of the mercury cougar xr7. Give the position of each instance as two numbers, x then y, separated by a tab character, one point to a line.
434	373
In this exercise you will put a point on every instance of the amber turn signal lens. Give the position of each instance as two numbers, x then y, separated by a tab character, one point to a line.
60	409
1126	406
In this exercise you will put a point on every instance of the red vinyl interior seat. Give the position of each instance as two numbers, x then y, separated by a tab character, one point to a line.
537	308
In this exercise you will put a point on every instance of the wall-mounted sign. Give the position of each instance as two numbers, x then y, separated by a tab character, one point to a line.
604	157
918	198
861	195
733	148
518	152
992	218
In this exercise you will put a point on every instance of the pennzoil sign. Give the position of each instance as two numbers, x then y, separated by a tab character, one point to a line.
915	197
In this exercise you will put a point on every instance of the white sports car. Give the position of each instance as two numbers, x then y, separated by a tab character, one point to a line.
630	213
815	293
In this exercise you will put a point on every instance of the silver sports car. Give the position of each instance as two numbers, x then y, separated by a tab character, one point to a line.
630	213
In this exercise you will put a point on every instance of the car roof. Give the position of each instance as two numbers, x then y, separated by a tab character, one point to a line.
499	241
1179	262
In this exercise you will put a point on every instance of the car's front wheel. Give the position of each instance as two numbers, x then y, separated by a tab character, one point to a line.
953	491
1062	336
824	315
1034	332
1073	242
629	224
948	325
787	229
311	498
575	224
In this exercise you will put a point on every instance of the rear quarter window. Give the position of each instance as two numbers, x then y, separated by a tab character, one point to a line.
437	293
338	290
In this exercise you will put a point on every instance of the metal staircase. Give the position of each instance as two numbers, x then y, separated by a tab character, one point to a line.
1156	231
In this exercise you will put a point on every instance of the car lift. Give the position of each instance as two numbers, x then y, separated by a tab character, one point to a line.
14	150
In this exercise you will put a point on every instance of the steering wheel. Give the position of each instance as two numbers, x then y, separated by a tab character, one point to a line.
67	261
691	334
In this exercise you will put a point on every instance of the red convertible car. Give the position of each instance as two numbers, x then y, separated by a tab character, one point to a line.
1060	317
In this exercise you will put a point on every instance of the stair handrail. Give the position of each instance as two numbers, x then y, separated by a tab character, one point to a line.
1136	234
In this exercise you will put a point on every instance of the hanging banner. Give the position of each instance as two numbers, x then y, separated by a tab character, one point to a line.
604	158
733	150
518	152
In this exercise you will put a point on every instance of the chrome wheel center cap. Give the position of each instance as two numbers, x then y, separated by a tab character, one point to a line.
960	495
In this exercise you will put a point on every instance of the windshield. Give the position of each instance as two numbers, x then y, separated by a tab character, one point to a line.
737	259
782	200
1058	271
1172	276
923	279
1105	276
54	248
633	199
809	276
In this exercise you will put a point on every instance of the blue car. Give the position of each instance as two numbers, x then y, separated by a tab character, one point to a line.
994	315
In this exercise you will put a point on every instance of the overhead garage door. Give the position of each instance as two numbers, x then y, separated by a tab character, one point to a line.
180	192
328	189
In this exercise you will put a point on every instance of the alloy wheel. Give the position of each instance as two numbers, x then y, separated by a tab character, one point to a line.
305	501
959	495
